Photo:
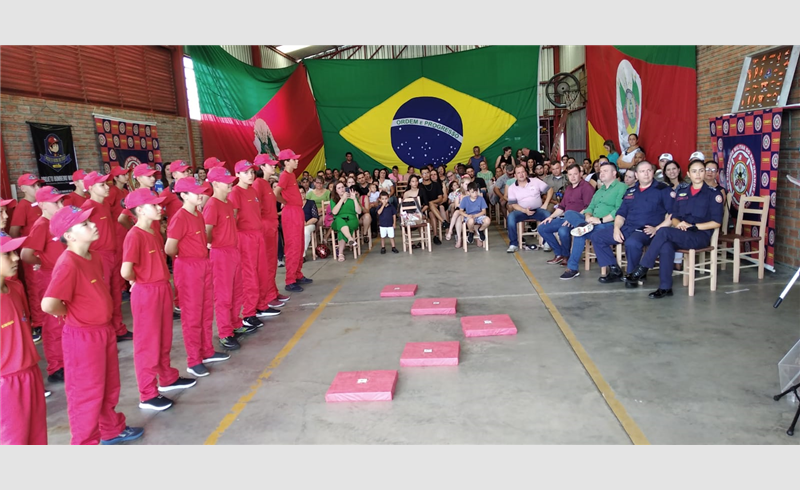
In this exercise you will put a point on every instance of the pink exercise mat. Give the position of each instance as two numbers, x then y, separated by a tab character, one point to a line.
434	306
362	386
430	354
486	325
394	290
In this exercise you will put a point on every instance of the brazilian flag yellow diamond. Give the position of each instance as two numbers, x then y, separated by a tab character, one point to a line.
427	122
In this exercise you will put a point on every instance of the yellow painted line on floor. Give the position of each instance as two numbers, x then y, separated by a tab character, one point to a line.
240	405
628	424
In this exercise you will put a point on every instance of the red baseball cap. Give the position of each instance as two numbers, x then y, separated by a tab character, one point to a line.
116	171
188	184
243	166
178	166
78	175
142	196
48	194
212	162
287	155
8	244
220	174
28	179
67	217
51	140
5	202
93	178
264	159
143	170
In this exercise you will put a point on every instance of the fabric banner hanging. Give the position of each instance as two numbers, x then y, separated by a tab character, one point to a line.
247	111
647	90
128	144
433	110
746	147
55	155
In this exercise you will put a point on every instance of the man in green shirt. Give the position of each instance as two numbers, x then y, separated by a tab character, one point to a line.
599	214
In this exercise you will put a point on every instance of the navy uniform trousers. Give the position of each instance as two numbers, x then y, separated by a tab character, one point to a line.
663	246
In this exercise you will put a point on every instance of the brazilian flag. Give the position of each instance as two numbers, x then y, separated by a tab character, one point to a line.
413	112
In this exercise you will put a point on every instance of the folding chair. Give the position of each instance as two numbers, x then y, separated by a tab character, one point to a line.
759	234
691	269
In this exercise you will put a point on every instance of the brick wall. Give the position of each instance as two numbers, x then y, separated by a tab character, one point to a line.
15	111
718	70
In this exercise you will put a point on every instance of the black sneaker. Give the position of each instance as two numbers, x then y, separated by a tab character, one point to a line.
482	235
200	370
294	287
126	336
37	334
470	237
179	384
129	434
229	343
436	240
252	321
56	377
569	274
268	312
217	357
158	403
383	250
395	251
304	280
244	330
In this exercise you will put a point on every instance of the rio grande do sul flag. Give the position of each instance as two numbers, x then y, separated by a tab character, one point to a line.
648	90
247	111
413	112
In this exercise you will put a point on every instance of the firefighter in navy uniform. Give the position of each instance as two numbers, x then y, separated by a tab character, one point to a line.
697	211
644	210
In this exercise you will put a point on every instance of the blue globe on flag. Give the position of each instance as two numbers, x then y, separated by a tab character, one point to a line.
426	130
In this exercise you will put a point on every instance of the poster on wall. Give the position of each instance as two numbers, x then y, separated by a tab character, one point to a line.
55	155
746	147
128	144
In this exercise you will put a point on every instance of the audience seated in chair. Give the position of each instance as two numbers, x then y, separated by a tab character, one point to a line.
525	200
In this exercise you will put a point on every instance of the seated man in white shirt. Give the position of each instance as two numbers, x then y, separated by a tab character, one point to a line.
525	200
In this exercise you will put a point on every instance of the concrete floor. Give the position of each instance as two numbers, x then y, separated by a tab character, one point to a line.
685	370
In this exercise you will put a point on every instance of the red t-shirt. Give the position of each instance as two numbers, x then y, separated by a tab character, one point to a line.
269	208
220	215
289	189
17	351
74	199
190	231
25	216
146	252
101	217
40	240
155	225
172	204
78	282
246	201
114	200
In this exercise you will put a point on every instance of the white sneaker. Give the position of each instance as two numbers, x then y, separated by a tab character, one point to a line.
546	248
512	249
582	230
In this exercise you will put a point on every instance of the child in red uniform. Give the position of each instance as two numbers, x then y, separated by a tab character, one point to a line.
42	252
105	247
78	196
116	196
144	265
251	245
225	259
269	220
186	244
293	221
23	412
145	178
25	215
179	170
4	205
89	341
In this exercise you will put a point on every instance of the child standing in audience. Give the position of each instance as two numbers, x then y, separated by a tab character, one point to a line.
387	219
144	265
89	341
23	412
186	244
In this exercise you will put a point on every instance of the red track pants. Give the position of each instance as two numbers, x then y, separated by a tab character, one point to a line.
112	264
253	254
151	306
227	272
91	364
193	277
293	221
269	290
51	328
34	294
23	411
